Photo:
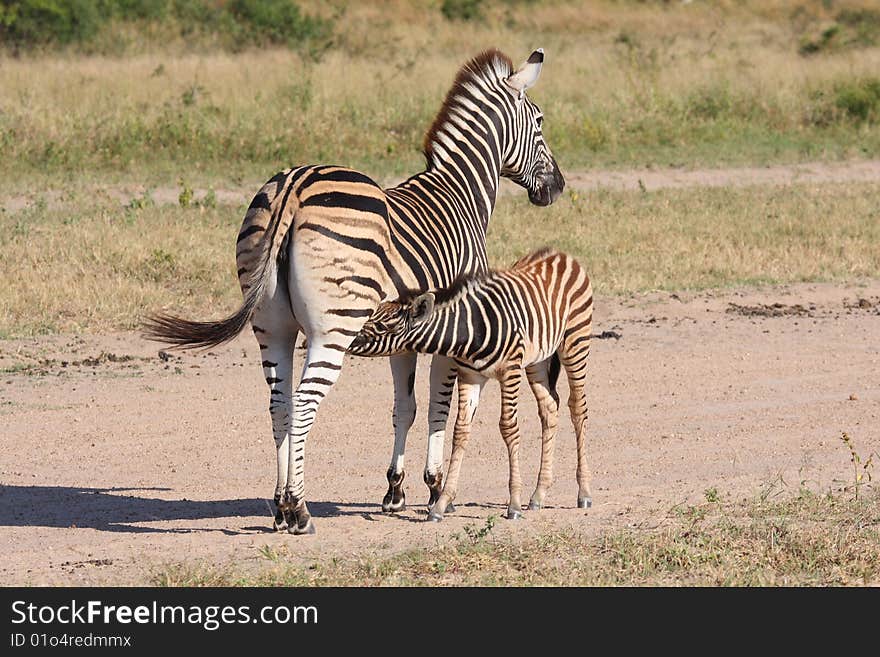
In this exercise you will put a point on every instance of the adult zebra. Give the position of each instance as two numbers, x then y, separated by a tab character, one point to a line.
321	246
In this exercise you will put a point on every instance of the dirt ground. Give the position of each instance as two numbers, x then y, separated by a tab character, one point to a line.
116	460
646	179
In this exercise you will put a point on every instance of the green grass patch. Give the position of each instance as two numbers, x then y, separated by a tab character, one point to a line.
803	540
115	263
177	89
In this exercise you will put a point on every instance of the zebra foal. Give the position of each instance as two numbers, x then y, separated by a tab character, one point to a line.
536	315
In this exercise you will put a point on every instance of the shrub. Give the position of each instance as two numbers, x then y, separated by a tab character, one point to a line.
462	10
280	22
860	99
28	23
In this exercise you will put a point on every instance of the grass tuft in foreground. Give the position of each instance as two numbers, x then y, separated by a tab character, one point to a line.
805	540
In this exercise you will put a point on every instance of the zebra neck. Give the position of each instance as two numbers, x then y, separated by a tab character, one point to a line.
468	164
435	335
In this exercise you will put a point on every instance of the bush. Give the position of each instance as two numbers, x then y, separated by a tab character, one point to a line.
280	22
463	10
860	100
27	23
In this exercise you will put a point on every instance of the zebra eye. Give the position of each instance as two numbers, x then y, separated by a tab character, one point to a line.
539	121
380	327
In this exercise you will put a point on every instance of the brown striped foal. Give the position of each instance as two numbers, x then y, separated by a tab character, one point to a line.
536	316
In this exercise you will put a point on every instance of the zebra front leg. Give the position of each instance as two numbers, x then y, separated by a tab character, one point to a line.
320	372
509	425
443	375
543	384
403	374
469	389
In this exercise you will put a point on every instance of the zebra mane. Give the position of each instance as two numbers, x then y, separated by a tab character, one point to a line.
446	295
489	65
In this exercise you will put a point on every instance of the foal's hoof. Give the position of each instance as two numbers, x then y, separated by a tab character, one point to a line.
514	514
434	516
279	524
450	508
296	530
585	502
534	505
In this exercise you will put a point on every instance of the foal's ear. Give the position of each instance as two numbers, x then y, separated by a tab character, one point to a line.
422	307
527	74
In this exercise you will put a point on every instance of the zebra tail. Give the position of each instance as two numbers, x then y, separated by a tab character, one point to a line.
555	367
190	334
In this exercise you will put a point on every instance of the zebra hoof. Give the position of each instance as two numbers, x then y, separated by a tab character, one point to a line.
513	514
534	505
585	502
308	530
279	524
389	505
394	508
450	508
435	516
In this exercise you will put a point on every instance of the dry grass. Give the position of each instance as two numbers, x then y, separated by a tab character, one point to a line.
802	540
625	83
89	264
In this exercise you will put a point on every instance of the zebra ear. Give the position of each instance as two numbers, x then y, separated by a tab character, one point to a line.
422	307
527	74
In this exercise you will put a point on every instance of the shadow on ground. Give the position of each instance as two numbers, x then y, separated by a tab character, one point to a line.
119	509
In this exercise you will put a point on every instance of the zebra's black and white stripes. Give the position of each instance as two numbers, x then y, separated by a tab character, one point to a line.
321	246
536	315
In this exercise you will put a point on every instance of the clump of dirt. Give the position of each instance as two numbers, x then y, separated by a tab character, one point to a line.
772	310
608	335
101	359
870	304
46	366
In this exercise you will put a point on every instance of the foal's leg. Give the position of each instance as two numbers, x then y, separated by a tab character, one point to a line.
574	360
443	375
511	377
469	388
544	389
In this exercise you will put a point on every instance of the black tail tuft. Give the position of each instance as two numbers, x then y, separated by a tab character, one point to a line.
189	334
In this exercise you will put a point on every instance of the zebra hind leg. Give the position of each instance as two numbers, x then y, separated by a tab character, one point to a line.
321	370
276	332
542	380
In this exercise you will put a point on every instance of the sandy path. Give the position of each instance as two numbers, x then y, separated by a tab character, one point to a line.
646	179
112	465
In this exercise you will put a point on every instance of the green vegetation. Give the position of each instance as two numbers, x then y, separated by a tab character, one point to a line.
103	26
117	261
209	90
807	539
